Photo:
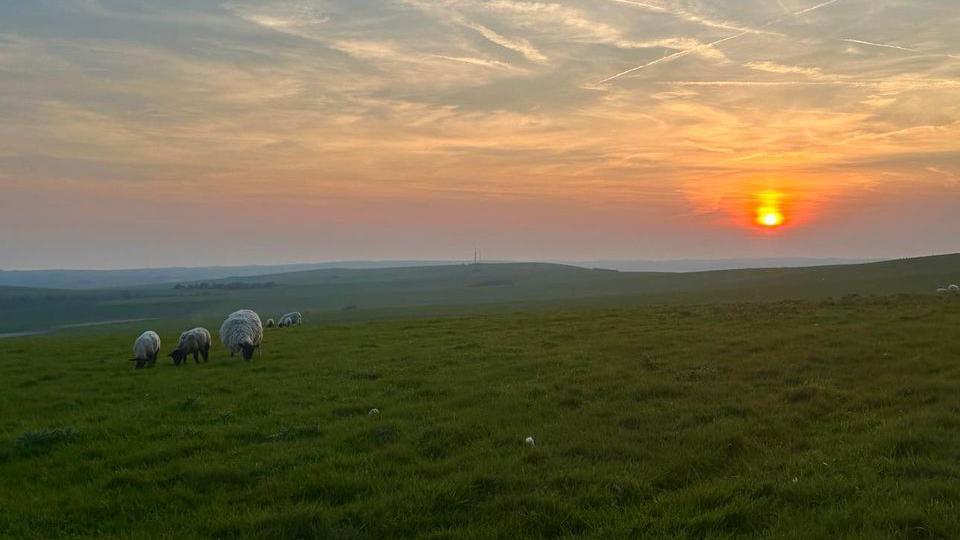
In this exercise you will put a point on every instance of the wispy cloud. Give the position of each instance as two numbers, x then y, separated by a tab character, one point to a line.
781	69
519	45
691	17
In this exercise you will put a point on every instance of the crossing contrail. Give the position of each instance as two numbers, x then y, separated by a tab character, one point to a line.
681	54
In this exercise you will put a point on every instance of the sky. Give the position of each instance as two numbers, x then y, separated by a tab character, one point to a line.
140	133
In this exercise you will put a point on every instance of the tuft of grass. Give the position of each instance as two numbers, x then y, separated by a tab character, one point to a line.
190	404
44	440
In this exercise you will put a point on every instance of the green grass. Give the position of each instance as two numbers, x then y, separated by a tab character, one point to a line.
809	419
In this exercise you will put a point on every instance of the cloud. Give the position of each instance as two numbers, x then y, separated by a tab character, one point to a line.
689	16
780	69
297	18
519	45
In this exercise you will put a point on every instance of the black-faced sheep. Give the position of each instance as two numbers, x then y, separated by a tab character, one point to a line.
196	342
242	332
291	319
146	349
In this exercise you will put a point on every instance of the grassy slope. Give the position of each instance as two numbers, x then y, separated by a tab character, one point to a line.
792	419
327	292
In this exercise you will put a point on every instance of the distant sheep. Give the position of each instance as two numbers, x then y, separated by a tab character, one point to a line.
271	323
291	319
146	349
954	288
196	342
242	332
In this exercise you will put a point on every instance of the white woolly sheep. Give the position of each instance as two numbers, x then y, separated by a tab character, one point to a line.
291	319
196	342
242	332
954	288
530	442
271	323
146	349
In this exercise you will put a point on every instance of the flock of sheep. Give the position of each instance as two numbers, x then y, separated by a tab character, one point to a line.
241	332
954	289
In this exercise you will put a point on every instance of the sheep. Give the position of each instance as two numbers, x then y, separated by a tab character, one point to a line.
242	331
145	349
291	319
271	323
196	342
954	289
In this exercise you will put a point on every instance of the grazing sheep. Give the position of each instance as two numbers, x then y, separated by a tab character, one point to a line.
954	288
291	319
146	349
530	442
196	342
242	332
271	323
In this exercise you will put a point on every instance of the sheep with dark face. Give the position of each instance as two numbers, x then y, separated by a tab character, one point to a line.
146	349
242	332
291	319
196	342
271	323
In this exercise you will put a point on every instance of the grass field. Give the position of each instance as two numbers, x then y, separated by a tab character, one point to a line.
802	419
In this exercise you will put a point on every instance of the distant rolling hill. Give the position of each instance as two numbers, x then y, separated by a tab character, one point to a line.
99	279
356	294
706	265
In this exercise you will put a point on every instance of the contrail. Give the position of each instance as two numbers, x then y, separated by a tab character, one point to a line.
899	48
672	57
884	45
681	54
814	8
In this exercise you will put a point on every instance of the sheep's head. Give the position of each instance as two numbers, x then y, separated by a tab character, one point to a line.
247	349
178	356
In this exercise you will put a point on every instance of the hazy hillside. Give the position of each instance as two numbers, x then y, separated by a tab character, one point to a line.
350	294
99	279
706	265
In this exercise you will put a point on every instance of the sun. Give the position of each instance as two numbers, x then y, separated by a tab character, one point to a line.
770	213
769	217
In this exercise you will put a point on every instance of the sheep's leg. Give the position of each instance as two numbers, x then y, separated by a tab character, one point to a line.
196	357
206	354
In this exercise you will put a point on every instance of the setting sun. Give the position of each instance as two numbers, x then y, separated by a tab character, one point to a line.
769	210
770	218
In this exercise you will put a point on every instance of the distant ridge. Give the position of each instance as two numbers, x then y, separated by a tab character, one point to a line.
134	277
340	294
707	265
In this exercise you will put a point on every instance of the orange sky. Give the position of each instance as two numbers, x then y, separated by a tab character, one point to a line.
216	132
